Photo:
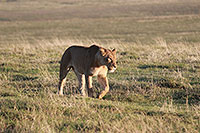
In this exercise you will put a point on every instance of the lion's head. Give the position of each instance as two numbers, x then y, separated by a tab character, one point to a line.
107	57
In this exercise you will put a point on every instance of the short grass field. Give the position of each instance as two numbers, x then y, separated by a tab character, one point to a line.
155	89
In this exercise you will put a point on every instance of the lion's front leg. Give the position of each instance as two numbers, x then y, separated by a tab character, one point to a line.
103	80
89	86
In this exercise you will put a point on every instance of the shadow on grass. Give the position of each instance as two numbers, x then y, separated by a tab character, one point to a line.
19	77
180	96
162	82
162	66
78	126
153	66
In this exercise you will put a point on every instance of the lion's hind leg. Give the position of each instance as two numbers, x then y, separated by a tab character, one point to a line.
89	87
64	69
81	80
63	74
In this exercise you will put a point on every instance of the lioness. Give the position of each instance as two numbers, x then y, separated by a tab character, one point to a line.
86	63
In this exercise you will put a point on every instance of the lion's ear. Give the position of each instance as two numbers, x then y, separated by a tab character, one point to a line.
102	51
114	50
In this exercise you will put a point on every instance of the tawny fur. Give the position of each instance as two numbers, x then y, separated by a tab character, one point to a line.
87	62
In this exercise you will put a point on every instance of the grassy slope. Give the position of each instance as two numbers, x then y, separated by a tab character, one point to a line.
156	86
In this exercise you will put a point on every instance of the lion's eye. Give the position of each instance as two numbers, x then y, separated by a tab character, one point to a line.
109	60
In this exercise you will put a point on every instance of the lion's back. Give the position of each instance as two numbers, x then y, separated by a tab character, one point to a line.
77	52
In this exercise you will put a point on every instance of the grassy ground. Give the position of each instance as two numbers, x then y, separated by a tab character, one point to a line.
156	87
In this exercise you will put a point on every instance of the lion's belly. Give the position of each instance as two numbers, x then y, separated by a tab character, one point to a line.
79	69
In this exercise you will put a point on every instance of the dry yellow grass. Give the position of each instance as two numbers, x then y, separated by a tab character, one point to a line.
156	85
29	103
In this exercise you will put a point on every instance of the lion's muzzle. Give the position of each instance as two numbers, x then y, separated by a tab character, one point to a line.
112	69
